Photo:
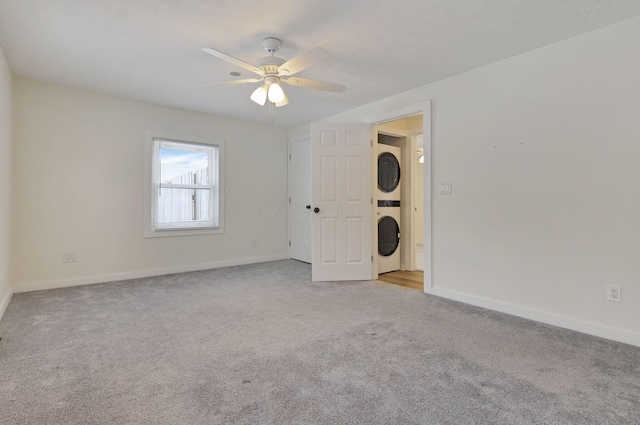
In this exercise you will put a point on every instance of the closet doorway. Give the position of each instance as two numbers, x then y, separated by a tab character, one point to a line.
398	229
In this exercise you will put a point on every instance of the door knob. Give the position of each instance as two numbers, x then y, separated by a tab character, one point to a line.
316	210
308	207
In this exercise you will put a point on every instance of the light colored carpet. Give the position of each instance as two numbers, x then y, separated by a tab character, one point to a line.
262	344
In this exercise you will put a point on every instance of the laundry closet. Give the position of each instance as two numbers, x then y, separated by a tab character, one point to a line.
397	203
388	211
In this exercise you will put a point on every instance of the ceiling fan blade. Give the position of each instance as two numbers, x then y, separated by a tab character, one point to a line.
235	61
230	83
302	61
314	84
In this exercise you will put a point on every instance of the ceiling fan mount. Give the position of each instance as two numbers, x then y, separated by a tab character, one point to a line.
270	64
273	71
271	44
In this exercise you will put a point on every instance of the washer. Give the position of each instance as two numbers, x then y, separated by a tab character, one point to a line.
389	175
389	238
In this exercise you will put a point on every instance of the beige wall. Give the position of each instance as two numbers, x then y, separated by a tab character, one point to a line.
5	180
78	186
419	197
543	150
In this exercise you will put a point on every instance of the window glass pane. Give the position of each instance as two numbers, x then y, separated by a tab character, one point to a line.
183	206
184	167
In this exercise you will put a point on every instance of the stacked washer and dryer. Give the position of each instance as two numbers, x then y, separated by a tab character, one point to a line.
388	208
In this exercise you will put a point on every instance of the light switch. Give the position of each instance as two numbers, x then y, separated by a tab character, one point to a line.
445	188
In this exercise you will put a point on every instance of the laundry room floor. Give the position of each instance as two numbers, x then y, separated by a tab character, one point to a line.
414	280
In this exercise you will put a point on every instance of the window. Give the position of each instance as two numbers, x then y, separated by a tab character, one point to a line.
185	176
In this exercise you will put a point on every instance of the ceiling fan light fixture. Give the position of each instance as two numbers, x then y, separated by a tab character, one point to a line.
259	95
276	94
283	102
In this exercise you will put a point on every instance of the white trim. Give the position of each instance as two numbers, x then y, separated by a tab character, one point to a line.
5	303
88	280
615	334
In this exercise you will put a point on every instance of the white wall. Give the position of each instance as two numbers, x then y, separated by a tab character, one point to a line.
5	180
78	186
543	150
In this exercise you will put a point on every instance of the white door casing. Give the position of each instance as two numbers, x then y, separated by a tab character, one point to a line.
299	199
341	195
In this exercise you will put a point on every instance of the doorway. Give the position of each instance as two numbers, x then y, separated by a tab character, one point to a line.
300	200
398	150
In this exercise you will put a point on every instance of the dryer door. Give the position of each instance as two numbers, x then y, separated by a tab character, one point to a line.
388	172
388	236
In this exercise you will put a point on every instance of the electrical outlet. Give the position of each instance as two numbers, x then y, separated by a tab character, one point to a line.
69	257
446	188
613	293
254	243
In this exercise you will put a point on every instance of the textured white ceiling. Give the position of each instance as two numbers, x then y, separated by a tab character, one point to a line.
149	50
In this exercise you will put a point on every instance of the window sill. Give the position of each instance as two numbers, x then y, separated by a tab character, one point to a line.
163	233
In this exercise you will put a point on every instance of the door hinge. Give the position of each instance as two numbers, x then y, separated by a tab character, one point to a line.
289	157
289	199
289	243
371	142
372	258
371	201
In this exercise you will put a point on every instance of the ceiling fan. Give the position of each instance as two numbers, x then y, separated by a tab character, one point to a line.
274	71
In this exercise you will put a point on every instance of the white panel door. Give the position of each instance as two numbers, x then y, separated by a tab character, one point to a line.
341	201
300	200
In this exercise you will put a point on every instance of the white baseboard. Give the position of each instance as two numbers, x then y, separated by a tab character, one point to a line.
86	280
594	329
4	303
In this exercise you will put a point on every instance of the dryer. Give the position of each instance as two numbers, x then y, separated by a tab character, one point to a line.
389	173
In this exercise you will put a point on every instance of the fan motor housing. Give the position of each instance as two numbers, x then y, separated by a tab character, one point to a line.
269	64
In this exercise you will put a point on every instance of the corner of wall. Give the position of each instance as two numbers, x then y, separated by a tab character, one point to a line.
6	149
300	132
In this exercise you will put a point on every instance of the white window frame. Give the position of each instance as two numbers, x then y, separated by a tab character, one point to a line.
151	184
